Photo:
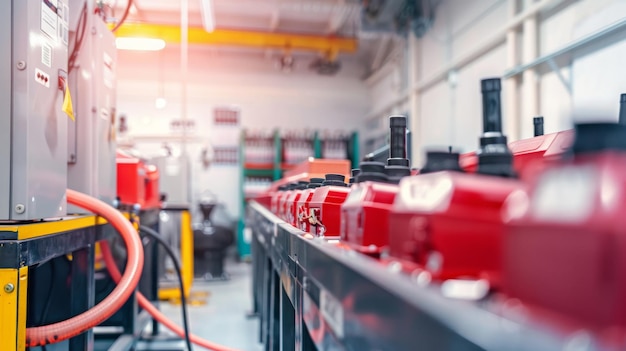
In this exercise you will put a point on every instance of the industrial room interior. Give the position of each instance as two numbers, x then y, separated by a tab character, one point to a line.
313	175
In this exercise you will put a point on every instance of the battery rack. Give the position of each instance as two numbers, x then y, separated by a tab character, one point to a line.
312	294
264	159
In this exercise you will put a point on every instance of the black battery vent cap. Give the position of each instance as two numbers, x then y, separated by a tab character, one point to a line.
372	171
441	161
597	137
334	179
353	174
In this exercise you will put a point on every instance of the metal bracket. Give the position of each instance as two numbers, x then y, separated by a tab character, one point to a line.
556	69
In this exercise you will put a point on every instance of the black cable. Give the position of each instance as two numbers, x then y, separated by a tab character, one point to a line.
156	236
123	19
46	308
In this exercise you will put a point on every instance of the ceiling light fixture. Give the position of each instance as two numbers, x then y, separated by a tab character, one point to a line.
208	17
139	44
160	103
286	63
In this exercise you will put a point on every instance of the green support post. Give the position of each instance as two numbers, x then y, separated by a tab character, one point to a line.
278	156
317	145
355	150
243	244
243	247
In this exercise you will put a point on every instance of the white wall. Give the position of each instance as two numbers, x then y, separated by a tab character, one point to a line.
384	91
267	99
598	79
448	112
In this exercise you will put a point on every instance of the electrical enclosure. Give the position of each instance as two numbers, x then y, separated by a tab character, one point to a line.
91	137
33	133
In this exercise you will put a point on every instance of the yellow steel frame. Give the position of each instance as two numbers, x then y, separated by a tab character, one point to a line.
13	301
35	230
197	35
13	308
186	257
14	281
131	217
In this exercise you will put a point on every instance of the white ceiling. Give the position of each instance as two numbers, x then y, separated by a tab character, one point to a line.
321	17
315	17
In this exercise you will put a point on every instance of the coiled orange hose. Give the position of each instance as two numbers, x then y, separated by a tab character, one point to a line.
127	283
102	209
154	312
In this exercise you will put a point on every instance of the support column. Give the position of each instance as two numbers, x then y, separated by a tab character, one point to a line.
414	65
530	94
512	105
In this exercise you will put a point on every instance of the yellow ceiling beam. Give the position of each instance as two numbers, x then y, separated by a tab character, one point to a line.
198	36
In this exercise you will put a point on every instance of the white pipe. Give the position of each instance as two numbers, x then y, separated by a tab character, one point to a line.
414	100
383	71
383	44
387	108
274	21
184	63
338	18
491	42
530	88
512	112
156	138
208	16
497	38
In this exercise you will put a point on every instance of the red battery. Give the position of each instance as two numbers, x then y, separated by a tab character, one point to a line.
527	152
365	216
448	224
542	148
565	248
131	180
153	196
291	206
276	197
265	199
282	203
325	210
302	209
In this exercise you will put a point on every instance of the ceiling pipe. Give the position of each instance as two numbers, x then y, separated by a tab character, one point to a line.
496	38
184	67
208	15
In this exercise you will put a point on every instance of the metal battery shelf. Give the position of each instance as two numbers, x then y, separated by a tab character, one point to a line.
26	245
314	294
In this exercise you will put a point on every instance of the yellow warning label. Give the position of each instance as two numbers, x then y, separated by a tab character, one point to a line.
67	103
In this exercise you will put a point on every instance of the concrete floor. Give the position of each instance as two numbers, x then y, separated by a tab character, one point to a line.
223	318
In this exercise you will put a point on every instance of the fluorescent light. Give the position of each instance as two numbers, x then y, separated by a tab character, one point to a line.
139	44
160	103
208	18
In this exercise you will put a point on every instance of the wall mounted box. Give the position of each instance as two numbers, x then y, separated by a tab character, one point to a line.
33	131
91	137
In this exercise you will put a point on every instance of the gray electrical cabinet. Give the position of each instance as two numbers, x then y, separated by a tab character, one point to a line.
91	137
174	178
33	129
